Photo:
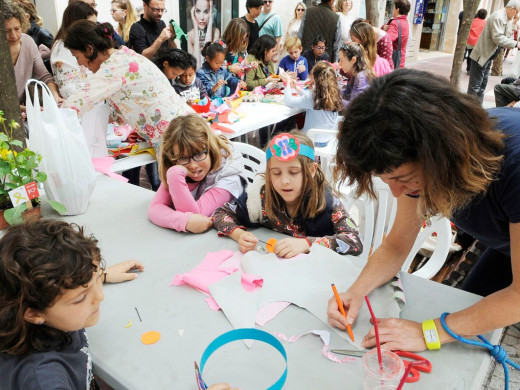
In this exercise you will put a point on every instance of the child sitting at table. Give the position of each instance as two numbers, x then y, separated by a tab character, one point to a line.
51	275
187	85
293	62
262	53
353	63
219	82
317	52
322	103
172	62
199	172
293	197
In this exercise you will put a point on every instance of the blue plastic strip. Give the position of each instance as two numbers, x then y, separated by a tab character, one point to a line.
305	150
247	334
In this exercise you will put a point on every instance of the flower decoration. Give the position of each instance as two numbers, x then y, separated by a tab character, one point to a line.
285	147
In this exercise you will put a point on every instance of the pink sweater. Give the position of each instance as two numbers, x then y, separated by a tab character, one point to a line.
29	64
172	208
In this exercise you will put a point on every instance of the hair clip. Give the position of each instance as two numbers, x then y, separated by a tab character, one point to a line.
221	43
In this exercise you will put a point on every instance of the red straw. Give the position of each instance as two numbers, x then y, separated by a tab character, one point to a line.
374	320
407	371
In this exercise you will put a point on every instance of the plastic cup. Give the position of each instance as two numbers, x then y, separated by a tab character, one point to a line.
374	377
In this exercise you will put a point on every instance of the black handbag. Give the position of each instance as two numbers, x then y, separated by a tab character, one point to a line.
396	54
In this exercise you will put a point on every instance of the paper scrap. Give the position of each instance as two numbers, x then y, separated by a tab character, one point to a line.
181	332
150	337
130	323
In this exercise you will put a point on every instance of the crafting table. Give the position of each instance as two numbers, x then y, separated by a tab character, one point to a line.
257	115
117	216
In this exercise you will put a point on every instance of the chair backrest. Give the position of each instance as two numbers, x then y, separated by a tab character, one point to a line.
376	217
254	159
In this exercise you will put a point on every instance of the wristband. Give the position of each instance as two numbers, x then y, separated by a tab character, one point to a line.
431	337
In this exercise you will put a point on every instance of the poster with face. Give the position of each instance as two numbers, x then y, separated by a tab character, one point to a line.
203	19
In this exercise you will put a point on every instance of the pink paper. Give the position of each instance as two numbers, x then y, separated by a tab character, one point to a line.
209	271
269	311
103	165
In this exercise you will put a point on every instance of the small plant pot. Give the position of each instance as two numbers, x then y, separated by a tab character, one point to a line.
28	215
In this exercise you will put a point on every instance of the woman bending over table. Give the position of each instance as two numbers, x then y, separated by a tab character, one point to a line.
441	153
139	92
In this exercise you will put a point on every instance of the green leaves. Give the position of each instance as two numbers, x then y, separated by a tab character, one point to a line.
14	215
57	206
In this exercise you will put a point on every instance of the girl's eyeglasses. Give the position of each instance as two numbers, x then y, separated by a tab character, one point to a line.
196	157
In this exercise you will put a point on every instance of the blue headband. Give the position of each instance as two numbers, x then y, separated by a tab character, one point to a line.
285	147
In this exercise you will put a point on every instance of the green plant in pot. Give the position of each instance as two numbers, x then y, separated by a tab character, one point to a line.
19	176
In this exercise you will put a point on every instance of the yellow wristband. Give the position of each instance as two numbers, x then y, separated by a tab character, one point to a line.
431	337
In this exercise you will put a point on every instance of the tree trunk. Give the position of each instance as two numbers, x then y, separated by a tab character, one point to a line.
496	67
470	9
372	12
8	95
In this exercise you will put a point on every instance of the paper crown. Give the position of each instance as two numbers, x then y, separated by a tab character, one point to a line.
285	147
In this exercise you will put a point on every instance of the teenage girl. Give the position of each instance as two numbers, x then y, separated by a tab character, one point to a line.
293	197
322	104
236	38
262	52
199	172
353	62
219	81
51	275
364	34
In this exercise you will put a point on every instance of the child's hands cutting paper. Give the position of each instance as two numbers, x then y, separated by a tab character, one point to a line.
290	247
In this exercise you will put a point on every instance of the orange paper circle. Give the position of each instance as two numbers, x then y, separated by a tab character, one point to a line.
269	246
150	337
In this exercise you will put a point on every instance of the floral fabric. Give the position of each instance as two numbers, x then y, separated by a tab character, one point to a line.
70	77
137	90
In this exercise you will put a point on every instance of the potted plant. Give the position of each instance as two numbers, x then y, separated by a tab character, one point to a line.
19	177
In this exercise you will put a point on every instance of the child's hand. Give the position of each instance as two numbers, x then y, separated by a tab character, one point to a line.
198	223
119	272
236	68
243	85
219	84
290	247
246	241
222	386
301	68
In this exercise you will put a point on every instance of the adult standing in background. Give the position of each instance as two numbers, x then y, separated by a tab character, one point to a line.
400	19
295	23
270	23
41	35
254	9
494	36
150	32
124	14
474	33
321	20
25	56
343	8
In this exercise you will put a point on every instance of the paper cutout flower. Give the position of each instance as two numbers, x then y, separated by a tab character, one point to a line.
285	147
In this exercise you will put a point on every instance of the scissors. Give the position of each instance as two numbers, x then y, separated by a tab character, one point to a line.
414	375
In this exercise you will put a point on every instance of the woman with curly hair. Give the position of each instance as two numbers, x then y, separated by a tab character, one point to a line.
440	153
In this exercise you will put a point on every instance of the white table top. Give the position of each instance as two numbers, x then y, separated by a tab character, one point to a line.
117	216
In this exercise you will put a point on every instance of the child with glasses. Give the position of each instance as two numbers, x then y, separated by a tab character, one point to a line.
294	198
294	63
51	275
317	52
199	172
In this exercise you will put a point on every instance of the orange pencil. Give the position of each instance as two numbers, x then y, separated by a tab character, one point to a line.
342	311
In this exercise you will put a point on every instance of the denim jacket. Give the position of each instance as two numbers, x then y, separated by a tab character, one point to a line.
209	78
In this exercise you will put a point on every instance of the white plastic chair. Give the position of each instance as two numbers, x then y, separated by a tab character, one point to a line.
254	159
376	217
327	152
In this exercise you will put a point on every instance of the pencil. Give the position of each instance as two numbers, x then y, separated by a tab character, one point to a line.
342	310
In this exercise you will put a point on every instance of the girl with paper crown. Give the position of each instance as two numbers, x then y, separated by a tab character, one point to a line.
199	172
292	197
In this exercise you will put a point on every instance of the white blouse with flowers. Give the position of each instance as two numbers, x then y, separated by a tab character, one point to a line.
137	90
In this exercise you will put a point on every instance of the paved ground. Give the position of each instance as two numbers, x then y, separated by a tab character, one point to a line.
440	64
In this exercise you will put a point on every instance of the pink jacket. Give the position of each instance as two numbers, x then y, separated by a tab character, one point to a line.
475	30
393	33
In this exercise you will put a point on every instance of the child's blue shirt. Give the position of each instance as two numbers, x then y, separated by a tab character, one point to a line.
209	78
290	65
